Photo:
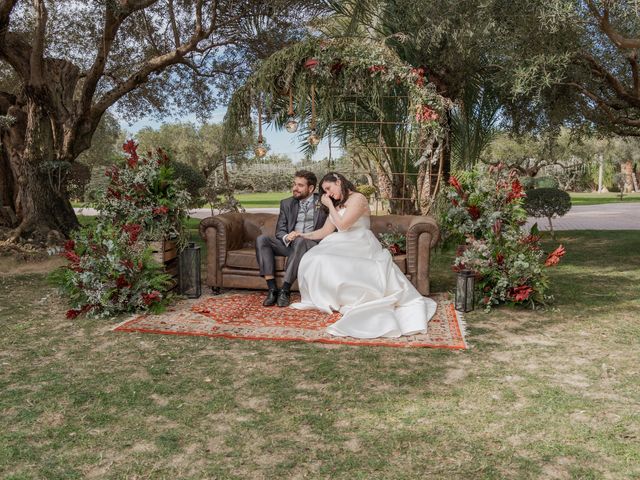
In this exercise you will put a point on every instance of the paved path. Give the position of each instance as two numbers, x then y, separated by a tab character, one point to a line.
609	216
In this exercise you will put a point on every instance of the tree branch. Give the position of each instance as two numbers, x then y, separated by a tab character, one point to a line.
174	25
37	50
618	40
620	90
633	60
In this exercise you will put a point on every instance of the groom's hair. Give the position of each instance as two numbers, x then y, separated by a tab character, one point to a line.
310	177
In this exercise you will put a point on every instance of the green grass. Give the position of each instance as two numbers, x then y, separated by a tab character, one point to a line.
600	198
541	394
262	200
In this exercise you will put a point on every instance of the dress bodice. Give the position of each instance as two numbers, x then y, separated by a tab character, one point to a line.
363	221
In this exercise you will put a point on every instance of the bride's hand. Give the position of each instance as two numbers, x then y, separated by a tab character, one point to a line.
326	200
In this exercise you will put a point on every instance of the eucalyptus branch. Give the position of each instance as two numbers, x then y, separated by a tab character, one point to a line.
174	25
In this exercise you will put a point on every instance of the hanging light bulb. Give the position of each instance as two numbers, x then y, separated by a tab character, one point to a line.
292	125
260	149
314	139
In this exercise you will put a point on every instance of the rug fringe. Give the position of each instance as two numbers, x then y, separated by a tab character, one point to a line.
114	328
463	327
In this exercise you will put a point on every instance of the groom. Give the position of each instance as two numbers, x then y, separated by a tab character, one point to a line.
298	213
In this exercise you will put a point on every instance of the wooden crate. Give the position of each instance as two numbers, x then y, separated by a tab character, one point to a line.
166	252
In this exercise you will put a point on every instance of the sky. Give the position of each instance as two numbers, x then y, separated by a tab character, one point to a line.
281	142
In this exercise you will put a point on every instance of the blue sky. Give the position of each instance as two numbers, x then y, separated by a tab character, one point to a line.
280	142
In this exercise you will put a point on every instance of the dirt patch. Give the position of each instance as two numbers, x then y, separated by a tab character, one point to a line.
43	265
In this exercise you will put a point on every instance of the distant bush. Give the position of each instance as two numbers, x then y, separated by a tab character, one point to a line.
547	202
366	190
97	185
530	183
193	181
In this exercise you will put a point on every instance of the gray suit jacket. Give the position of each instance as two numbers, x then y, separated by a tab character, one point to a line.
289	214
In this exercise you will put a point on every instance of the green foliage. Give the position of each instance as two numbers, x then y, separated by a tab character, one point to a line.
110	273
547	202
395	242
485	217
367	190
193	181
110	267
529	183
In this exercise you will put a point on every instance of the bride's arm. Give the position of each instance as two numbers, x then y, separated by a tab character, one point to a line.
356	206
319	234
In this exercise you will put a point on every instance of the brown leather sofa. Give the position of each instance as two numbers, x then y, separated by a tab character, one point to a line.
231	257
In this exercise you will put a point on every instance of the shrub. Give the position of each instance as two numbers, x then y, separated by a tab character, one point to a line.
485	216
193	181
366	190
547	202
529	183
110	268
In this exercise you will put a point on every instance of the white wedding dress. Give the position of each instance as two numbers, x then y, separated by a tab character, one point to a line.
350	272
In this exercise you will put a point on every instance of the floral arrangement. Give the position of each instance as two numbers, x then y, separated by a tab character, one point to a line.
111	269
486	215
143	192
395	242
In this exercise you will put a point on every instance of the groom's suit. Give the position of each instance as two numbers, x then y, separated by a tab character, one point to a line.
267	247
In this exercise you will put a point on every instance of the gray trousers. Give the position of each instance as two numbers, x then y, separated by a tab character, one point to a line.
268	247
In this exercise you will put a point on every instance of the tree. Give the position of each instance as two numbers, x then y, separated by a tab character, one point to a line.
203	147
65	63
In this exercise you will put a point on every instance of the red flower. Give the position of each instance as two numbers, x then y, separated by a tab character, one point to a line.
426	114
131	148
516	191
419	72
530	239
133	230
113	193
453	181
121	281
377	68
500	258
163	210
69	245
73	313
521	293
149	298
555	256
311	63
497	227
336	68
474	211
71	256
127	264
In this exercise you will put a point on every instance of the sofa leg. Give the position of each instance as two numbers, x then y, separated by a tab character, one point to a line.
216	290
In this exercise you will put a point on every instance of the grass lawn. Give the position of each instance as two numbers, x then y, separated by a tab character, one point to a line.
262	200
541	394
599	198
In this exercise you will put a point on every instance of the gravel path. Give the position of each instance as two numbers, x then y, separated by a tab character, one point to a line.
609	216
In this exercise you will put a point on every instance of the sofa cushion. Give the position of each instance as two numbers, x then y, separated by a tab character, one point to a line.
246	258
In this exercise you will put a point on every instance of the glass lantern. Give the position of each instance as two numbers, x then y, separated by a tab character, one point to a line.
189	271
465	290
260	150
292	125
314	139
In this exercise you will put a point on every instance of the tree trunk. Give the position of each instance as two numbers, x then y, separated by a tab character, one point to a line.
627	172
40	204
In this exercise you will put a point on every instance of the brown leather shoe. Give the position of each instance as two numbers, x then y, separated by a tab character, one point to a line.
284	298
272	298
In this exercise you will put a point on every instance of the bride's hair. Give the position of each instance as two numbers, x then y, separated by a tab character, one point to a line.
346	187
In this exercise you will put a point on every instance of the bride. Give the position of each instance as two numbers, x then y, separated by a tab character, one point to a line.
350	272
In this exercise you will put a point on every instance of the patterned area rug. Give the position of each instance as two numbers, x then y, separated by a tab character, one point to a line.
242	316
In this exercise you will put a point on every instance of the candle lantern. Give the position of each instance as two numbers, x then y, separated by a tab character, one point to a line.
189	271
465	290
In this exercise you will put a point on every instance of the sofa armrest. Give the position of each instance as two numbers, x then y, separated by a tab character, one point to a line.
422	235
221	233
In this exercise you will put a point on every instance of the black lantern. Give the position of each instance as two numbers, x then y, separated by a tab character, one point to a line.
189	271
465	286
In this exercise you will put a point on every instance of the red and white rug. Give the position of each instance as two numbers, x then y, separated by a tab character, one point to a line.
242	316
